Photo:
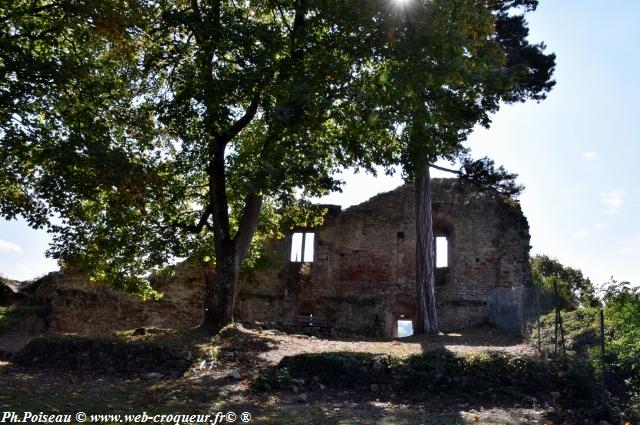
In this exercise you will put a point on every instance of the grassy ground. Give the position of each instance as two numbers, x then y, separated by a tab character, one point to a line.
226	367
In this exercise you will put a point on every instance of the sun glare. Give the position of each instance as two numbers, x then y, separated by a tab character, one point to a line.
402	6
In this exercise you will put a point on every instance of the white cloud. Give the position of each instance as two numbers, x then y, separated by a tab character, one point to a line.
580	233
612	200
6	246
590	155
585	232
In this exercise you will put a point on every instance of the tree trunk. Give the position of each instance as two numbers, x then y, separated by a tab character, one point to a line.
427	321
222	291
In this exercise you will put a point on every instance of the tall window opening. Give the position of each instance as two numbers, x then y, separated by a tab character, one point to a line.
442	252
302	247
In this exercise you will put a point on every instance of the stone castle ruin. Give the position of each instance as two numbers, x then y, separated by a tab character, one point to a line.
357	270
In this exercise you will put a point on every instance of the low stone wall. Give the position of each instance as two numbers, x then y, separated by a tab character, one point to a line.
79	306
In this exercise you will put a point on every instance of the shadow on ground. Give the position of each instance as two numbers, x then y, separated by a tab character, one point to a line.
423	388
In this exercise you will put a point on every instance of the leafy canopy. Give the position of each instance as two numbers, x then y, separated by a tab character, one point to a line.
140	131
452	65
112	114
574	289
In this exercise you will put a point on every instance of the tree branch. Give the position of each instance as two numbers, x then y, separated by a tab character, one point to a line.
206	213
284	18
237	127
248	223
448	170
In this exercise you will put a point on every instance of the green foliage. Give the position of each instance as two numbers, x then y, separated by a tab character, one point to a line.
581	330
622	311
452	64
622	315
442	360
622	343
112	125
441	373
152	129
339	368
487	177
573	288
272	378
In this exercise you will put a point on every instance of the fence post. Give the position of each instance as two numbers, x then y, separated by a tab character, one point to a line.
536	294
602	352
605	402
557	308
564	350
539	341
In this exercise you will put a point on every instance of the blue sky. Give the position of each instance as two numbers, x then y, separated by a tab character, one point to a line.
575	152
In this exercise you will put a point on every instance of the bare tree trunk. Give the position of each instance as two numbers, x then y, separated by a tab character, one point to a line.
427	321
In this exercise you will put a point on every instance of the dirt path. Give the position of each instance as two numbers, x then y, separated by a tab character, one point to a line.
467	342
242	352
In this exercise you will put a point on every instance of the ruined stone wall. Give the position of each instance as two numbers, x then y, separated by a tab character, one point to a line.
362	278
76	305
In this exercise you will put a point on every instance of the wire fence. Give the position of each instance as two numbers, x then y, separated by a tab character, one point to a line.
556	346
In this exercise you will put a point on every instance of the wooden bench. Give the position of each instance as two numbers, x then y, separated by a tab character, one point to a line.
311	321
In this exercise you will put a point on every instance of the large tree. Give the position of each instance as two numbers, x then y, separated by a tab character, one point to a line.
137	131
453	63
143	130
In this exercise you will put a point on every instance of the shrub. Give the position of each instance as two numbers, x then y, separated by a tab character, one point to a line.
273	378
622	346
341	368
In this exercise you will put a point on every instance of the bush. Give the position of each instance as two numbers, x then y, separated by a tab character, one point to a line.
622	346
574	290
622	316
439	372
580	330
341	368
273	378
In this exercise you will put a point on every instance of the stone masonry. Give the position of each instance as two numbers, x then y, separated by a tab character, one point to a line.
362	277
